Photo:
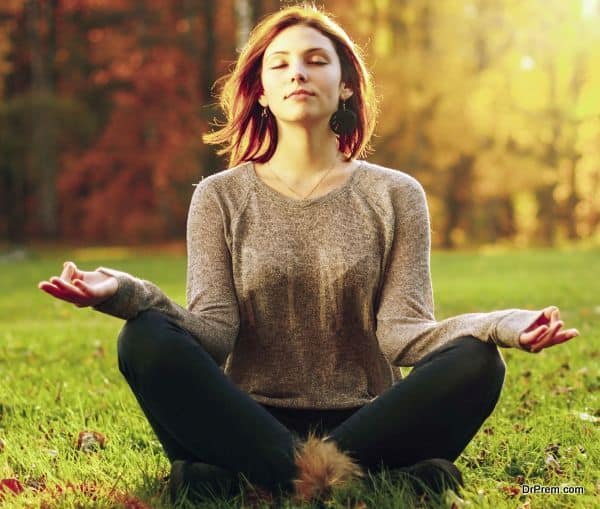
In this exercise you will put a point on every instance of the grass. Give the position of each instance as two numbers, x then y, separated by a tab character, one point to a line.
59	377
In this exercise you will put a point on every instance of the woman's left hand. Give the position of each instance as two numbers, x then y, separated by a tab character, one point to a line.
546	331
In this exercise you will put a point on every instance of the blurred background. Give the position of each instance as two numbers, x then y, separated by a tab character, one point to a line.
493	105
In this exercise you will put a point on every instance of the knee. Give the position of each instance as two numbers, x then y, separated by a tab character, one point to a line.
483	362
140	340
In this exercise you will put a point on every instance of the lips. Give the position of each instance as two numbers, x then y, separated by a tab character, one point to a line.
300	92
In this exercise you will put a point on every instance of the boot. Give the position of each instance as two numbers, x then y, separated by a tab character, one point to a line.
436	474
201	480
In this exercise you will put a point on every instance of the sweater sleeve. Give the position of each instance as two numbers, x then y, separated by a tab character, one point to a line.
212	315
406	327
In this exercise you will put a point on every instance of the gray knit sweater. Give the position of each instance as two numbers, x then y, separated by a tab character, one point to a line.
312	303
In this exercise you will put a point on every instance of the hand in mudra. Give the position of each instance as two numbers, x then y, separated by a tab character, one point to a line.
80	287
546	331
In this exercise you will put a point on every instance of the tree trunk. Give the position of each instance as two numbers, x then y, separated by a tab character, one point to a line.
457	197
570	217
43	143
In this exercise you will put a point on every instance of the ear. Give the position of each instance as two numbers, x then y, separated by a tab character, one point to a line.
262	100
345	92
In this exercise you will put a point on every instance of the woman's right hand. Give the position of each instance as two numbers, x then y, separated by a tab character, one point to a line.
80	287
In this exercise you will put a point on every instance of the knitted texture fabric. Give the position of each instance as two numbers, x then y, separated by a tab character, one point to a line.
312	303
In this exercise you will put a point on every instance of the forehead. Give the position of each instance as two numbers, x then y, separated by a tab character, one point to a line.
298	38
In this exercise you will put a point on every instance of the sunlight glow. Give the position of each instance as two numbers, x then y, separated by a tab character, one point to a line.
527	63
589	8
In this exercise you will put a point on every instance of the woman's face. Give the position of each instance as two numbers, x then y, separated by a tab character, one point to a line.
301	57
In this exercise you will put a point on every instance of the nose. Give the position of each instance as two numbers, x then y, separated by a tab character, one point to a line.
299	77
298	72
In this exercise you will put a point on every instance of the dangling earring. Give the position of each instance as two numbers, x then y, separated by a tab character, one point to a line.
263	117
343	121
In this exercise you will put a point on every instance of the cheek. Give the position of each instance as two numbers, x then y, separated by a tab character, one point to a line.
332	80
270	86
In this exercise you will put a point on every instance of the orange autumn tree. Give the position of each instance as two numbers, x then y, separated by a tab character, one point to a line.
135	182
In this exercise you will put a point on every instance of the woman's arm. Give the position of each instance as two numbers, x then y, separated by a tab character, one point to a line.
406	326
212	315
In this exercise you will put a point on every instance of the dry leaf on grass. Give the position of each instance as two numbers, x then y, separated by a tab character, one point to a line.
12	486
552	464
88	441
511	491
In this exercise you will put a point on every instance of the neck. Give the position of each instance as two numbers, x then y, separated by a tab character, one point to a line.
302	152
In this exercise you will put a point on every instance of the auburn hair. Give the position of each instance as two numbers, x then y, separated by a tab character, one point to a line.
247	135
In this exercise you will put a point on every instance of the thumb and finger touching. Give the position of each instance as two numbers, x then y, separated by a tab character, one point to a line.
546	331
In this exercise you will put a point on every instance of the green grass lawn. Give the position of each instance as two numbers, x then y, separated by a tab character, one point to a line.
59	377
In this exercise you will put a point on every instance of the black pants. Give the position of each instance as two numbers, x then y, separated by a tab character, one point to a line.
199	414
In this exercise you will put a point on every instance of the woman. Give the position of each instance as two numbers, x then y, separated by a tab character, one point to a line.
309	283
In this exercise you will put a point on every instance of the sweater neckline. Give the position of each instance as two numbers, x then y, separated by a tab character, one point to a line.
263	187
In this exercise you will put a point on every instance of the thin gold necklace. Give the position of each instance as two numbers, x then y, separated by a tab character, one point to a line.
313	189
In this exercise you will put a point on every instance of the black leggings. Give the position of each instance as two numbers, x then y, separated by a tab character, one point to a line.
199	414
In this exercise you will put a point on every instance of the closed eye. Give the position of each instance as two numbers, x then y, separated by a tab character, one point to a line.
314	63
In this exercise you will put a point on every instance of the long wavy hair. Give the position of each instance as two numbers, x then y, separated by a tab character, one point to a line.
247	135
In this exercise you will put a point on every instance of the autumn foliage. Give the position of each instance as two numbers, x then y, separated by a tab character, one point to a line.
493	106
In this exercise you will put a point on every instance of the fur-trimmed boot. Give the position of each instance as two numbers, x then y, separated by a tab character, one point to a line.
321	468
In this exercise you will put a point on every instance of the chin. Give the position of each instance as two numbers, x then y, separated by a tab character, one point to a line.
304	120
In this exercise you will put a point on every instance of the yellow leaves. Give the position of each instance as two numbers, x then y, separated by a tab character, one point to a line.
530	89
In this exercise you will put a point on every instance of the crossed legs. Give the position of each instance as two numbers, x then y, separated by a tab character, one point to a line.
199	414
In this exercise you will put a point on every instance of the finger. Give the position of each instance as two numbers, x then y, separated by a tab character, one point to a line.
547	337
565	335
65	275
534	335
555	316
83	287
59	293
558	339
548	311
564	339
63	285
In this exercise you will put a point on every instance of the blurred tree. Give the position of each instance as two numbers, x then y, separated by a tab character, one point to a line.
41	19
492	104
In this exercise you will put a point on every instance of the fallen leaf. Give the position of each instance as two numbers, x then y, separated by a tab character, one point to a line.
562	389
553	449
10	485
36	483
88	441
99	350
130	502
511	491
521	428
553	464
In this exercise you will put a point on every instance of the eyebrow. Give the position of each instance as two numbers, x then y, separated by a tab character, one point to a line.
309	50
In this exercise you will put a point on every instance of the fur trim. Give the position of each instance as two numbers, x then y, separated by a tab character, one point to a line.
321	467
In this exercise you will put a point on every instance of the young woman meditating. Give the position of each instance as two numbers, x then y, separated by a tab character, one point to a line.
308	286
